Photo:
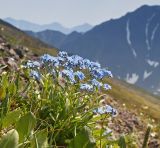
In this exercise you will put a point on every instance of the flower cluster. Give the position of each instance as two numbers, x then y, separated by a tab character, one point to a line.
34	74
107	109
76	84
74	68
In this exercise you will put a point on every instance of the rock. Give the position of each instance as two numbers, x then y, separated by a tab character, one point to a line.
7	46
2	61
19	52
10	55
25	49
9	64
1	39
12	63
12	52
153	144
1	48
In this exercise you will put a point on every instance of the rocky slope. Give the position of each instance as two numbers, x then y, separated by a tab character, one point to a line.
11	56
15	37
15	46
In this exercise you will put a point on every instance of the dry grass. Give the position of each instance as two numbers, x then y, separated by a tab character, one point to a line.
135	98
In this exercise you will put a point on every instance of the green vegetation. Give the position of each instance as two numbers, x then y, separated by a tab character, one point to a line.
49	112
41	108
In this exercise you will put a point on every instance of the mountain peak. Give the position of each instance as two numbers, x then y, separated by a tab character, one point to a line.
149	8
29	26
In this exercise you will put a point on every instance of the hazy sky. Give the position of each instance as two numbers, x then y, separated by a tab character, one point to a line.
69	12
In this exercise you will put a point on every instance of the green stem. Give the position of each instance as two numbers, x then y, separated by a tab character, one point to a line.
146	138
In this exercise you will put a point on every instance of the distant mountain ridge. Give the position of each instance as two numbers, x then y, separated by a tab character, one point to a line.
16	37
55	38
26	25
129	46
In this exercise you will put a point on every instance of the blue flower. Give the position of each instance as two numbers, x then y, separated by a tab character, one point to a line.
60	59
53	72
33	64
107	87
69	74
96	83
95	65
80	75
87	87
46	58
85	64
63	54
65	66
35	75
107	109
74	60
109	73
100	73
107	132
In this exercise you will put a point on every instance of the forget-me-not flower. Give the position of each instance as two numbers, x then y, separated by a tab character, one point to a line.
96	83
87	87
80	75
107	109
69	74
33	64
35	75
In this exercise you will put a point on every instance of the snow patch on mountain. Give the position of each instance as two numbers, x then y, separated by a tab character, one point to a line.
129	38
158	89
146	74
132	79
152	63
155	93
154	32
146	31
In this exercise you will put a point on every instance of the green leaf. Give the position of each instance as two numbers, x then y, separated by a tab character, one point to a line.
2	93
12	89
10	140
25	126
83	140
122	142
146	138
40	139
11	118
5	104
5	80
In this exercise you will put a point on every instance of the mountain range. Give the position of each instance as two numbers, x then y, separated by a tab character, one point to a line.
26	25
129	46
